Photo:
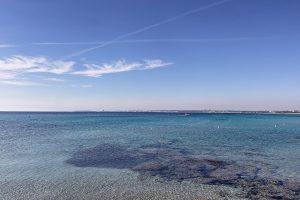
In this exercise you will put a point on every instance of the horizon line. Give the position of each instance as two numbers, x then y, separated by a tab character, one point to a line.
161	111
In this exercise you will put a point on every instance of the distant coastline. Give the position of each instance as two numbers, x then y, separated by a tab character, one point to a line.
230	111
166	111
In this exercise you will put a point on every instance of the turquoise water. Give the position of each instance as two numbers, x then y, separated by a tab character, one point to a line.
39	152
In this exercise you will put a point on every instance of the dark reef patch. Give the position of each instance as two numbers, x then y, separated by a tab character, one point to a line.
177	164
106	156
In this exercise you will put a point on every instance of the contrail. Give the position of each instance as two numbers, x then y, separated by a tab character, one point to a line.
204	40
171	19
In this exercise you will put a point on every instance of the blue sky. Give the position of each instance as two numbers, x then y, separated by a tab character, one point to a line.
149	54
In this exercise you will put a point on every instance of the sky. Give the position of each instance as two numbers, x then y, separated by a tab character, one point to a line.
65	55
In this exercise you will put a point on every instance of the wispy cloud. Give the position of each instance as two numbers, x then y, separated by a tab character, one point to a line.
94	70
7	75
14	70
6	45
151	64
82	86
168	20
26	64
18	83
55	79
170	40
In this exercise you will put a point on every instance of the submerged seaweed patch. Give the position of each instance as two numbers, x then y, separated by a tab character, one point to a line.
106	156
177	164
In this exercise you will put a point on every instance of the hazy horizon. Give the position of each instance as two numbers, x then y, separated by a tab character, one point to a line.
149	55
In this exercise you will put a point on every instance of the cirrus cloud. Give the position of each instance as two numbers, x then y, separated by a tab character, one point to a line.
18	82
27	64
94	70
55	79
14	69
6	45
7	75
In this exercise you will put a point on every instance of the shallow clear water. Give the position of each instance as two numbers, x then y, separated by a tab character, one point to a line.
34	148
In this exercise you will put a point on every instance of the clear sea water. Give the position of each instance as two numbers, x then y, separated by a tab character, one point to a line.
34	148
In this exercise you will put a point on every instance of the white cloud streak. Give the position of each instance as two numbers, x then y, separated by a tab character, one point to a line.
14	69
93	70
55	79
23	64
82	86
126	35
7	75
6	45
150	41
17	83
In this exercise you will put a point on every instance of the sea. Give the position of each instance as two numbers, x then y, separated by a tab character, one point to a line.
148	155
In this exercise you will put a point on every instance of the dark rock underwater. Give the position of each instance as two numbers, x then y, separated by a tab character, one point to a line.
180	165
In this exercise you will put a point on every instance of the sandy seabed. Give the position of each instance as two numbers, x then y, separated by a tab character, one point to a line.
102	184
